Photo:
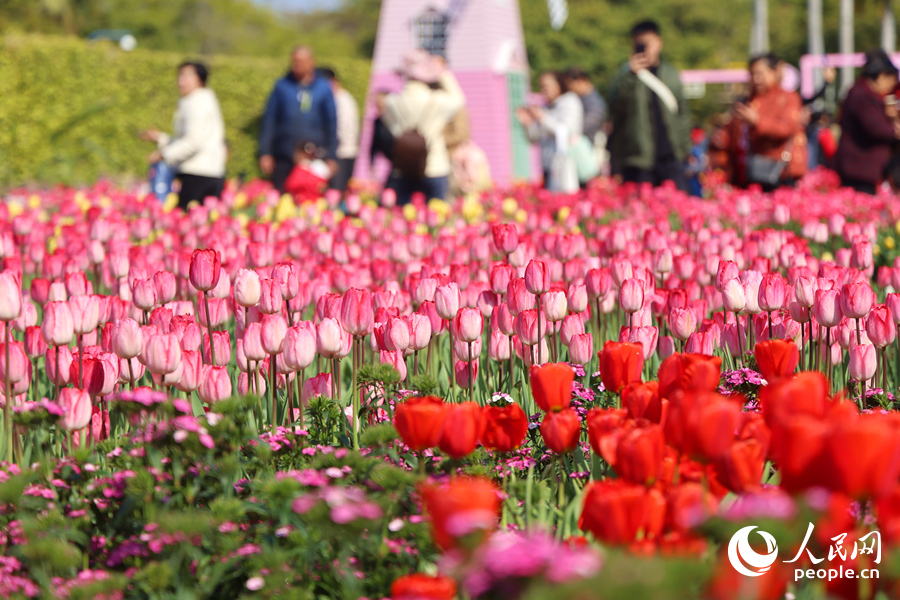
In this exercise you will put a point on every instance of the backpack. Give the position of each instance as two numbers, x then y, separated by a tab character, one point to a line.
410	152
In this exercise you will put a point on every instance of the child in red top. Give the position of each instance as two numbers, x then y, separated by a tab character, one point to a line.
310	175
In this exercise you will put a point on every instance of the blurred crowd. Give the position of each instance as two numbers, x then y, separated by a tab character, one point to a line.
641	133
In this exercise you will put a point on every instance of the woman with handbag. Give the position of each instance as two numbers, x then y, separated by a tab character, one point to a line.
869	126
766	136
556	127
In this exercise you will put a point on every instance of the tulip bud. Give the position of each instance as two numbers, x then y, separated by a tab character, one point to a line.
10	297
631	295
537	277
205	269
446	300
555	306
863	360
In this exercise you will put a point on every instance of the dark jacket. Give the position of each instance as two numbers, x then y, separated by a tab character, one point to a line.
633	142
867	135
298	112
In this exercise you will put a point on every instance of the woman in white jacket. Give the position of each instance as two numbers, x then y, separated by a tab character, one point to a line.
196	149
555	127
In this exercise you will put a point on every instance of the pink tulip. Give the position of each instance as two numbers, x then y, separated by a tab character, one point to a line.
77	284
537	277
682	323
577	298
395	359
329	338
318	386
500	277
143	294
127	339
247	288
581	348
527	326
57	361
647	337
726	271
735	341
205	269
273	328
10	297
425	290
286	276
85	313
857	300
772	292
880	326
77	406
863	360
828	308
462	373
130	370
396	335
162	354
751	280
555	305
700	343
518	297
446	300
27	318
498	347
733	297
357	315
571	326
893	303
506	237
34	344
58	327
298	348
18	362
187	331
598	283
419	331
631	295
222	346
166	286
805	290
470	324
191	372
861	255
663	261
215	384
270	300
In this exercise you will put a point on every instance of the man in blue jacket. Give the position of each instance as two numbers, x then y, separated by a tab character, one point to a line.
300	107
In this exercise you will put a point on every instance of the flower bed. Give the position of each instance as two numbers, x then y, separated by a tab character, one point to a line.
625	393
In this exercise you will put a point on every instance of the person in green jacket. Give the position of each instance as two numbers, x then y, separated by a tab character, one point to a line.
651	124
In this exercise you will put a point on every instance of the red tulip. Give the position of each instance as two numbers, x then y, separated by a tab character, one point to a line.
615	511
465	508
776	359
419	421
640	453
423	587
701	424
551	386
561	430
464	425
205	269
690	373
506	427
620	364
642	401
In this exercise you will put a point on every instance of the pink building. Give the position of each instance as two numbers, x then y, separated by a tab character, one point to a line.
483	43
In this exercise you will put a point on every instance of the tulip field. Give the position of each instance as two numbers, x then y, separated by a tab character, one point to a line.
625	393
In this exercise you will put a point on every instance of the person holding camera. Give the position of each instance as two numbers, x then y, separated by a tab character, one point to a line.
650	118
869	125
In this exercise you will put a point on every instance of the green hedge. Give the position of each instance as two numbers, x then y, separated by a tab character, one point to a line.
70	110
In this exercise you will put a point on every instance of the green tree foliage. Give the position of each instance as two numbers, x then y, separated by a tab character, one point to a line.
189	26
71	109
